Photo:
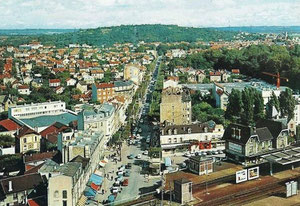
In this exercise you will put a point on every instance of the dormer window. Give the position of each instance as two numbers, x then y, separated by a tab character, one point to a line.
233	133
239	134
170	132
205	129
175	131
189	130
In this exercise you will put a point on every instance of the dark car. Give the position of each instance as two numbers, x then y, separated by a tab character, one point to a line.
128	166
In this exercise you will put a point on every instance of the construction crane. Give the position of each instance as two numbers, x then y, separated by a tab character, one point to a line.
278	77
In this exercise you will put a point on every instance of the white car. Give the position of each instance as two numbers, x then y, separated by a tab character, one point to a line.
139	156
146	152
187	154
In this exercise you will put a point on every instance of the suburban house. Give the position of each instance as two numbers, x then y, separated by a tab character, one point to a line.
215	76
5	102
71	82
24	89
54	82
27	139
8	127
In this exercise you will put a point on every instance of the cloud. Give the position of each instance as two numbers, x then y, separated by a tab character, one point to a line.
95	13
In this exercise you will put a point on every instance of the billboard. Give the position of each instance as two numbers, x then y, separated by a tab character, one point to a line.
253	173
241	176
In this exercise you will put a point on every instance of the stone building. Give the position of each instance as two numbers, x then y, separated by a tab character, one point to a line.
183	191
176	106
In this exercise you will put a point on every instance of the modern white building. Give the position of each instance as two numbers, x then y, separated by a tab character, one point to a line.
39	116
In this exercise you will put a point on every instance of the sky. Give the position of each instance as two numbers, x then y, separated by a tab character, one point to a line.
70	14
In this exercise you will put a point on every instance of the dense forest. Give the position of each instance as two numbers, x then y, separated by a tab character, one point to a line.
251	61
122	34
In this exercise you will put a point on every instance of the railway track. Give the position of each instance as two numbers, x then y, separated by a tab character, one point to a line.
247	196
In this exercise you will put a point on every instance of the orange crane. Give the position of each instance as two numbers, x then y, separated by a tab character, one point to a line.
278	77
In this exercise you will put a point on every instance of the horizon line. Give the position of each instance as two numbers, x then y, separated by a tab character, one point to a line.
229	26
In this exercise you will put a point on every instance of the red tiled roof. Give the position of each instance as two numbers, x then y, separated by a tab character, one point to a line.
104	85
54	80
23	87
25	130
214	73
39	156
235	71
173	78
53	129
9	125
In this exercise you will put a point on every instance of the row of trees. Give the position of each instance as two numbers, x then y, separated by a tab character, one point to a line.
247	106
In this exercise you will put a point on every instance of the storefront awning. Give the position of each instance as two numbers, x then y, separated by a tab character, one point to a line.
89	192
96	179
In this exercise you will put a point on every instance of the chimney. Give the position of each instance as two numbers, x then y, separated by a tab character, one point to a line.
10	188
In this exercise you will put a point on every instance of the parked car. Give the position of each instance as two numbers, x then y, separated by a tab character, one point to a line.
127	173
128	166
131	156
187	154
146	152
122	168
125	182
139	156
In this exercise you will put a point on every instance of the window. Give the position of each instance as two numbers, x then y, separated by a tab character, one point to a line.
56	194
15	195
181	140
170	140
24	140
35	138
64	193
175	140
64	202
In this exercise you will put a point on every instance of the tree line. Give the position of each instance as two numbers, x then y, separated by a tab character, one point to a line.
251	61
247	106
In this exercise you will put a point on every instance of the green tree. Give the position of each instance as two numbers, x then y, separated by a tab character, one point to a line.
235	104
287	104
248	109
258	109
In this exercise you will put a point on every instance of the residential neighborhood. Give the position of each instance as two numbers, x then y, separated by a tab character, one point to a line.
136	110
